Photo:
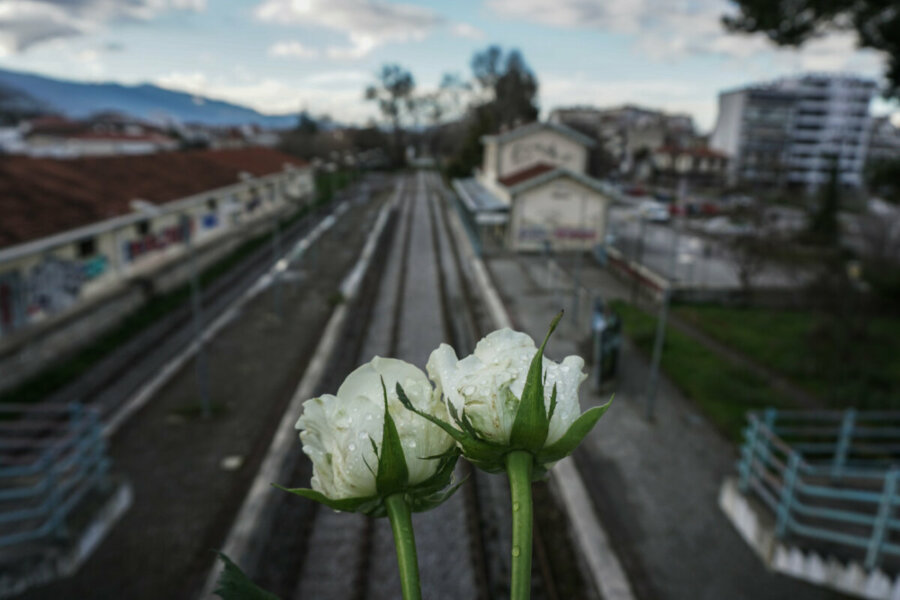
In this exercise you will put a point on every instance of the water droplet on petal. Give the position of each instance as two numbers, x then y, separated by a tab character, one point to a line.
351	447
363	435
411	444
468	390
564	369
515	551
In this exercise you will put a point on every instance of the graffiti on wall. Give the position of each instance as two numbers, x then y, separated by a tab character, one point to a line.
536	231
158	240
52	285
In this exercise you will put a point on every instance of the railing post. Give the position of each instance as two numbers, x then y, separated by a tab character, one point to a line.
879	529
787	496
747	454
768	424
844	441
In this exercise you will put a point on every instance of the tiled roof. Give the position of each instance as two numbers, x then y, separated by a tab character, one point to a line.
535	126
41	196
526	174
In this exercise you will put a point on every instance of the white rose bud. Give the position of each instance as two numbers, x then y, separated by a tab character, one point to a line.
338	431
477	385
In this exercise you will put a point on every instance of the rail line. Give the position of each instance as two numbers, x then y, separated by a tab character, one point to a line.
416	292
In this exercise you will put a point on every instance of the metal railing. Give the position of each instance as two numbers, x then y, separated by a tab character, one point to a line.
51	458
830	477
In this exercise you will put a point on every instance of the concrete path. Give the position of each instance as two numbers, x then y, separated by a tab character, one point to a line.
655	485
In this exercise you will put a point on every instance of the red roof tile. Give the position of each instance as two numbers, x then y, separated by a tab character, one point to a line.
526	174
42	196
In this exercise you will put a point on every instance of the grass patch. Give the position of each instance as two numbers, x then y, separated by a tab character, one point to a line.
859	367
721	390
58	375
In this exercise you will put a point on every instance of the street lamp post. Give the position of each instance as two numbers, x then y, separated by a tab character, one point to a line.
657	354
201	371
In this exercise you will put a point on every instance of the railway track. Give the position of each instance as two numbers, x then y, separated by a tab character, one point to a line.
109	383
416	295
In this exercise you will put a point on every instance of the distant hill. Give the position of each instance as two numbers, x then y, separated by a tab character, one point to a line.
153	103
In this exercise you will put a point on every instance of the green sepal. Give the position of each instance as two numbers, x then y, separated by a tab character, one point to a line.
233	584
368	505
575	434
484	455
393	474
422	503
531	425
441	477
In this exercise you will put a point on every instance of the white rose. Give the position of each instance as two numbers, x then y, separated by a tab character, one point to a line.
336	430
477	384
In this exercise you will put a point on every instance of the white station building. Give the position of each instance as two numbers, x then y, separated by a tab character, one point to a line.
532	191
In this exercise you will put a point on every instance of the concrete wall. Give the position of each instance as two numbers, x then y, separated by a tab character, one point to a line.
543	146
567	213
59	292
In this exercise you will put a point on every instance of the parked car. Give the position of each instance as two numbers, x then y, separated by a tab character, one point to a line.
654	212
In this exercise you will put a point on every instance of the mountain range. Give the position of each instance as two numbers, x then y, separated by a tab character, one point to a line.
27	93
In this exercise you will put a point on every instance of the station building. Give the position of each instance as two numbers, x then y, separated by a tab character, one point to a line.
532	191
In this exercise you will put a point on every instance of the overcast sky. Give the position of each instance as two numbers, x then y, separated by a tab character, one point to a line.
285	55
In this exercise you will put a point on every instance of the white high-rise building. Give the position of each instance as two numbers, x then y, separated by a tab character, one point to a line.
821	118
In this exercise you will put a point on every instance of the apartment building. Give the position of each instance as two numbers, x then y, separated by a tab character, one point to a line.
627	131
794	130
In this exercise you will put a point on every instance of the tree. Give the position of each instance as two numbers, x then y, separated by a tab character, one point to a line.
506	92
883	178
824	228
751	248
393	93
794	22
508	86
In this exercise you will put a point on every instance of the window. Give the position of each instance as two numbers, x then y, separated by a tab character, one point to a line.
143	227
87	247
212	204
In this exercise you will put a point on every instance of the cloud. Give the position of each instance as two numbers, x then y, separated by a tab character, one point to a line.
26	23
337	93
666	31
367	24
464	30
292	50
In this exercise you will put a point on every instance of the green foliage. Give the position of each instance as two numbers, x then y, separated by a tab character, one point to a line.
864	372
721	390
233	584
794	22
883	178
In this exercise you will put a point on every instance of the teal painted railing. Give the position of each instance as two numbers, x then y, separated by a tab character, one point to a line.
829	477
51	457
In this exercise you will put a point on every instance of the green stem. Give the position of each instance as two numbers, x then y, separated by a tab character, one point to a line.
518	468
405	542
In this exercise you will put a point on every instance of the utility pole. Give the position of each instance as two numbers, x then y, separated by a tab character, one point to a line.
201	370
657	353
639	257
276	256
576	284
